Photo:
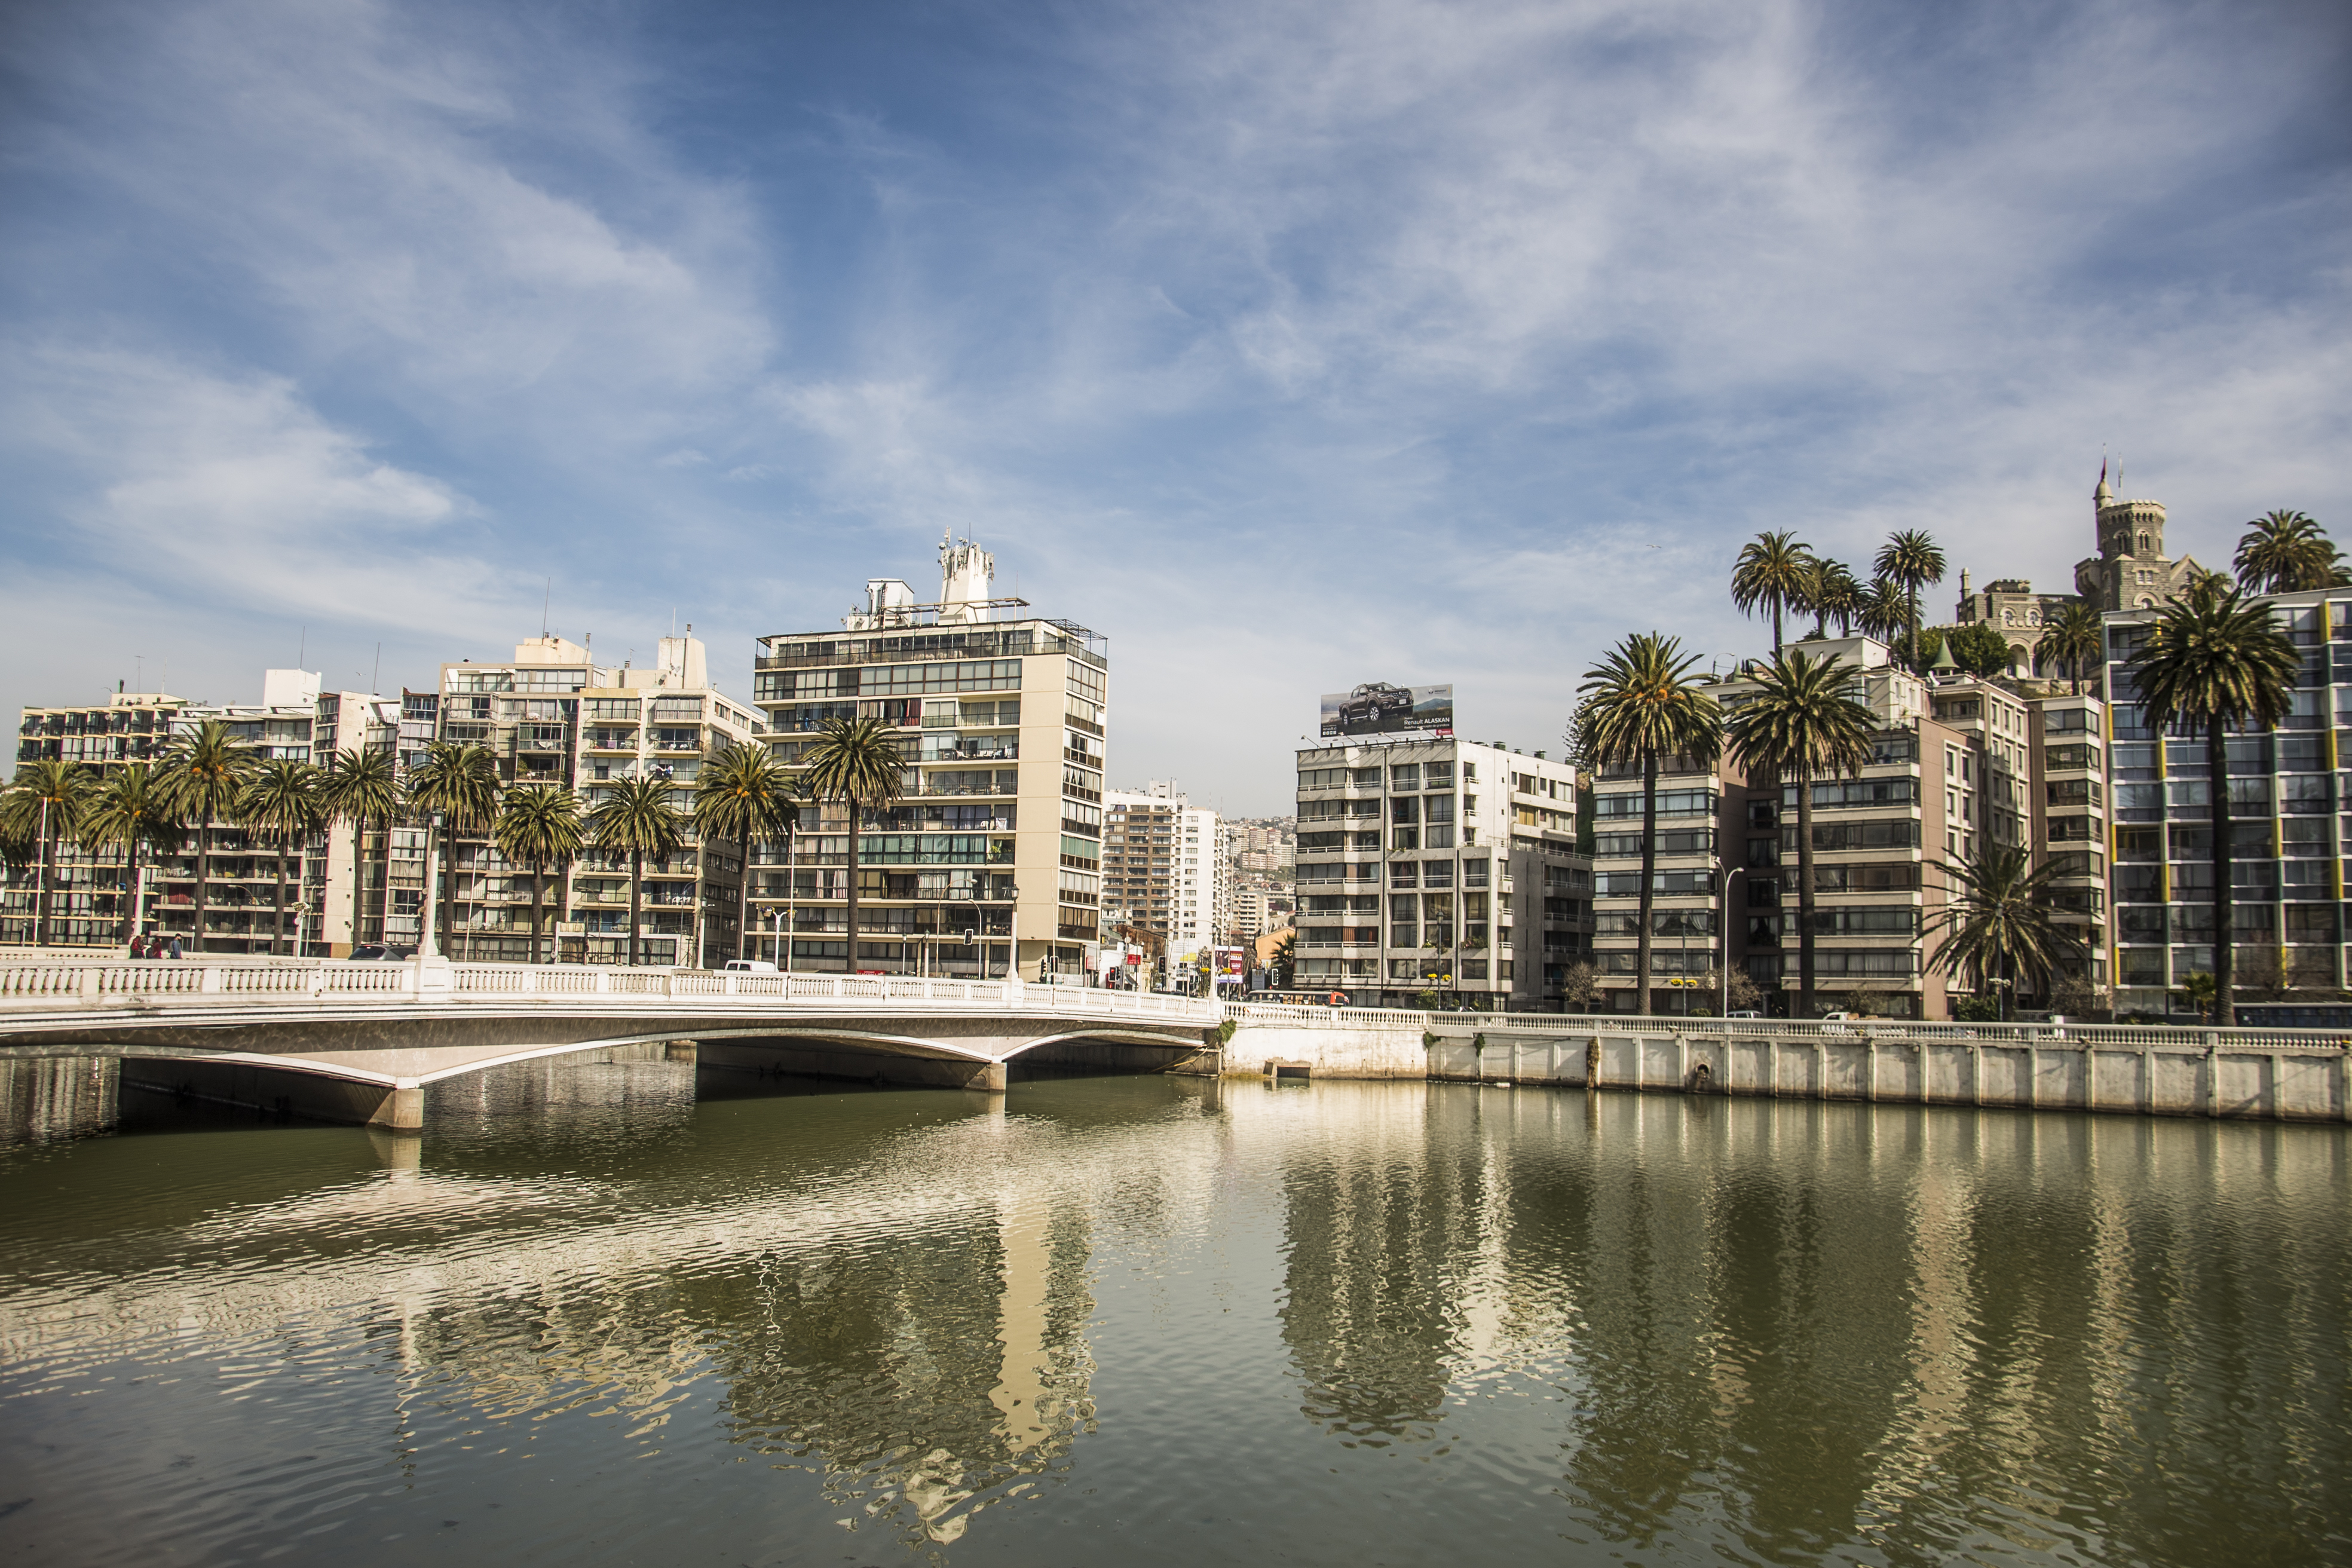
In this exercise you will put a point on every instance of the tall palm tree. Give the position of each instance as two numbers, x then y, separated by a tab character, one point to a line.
856	762
1911	558
1774	570
538	826
1833	595
637	818
1800	725
202	776
360	787
281	804
2217	661
459	784
744	793
2075	635
45	803
127	809
1640	705
2286	552
1996	920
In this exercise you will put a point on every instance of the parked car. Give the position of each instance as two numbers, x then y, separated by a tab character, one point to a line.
1743	1013
751	966
380	951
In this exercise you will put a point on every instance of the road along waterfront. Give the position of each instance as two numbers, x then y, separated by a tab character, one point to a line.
596	1315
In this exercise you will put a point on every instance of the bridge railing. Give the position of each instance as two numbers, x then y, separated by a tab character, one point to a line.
82	982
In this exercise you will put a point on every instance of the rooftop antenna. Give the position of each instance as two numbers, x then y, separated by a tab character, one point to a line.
375	676
302	647
544	601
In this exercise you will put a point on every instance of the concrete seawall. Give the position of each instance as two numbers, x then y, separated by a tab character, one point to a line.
2143	1071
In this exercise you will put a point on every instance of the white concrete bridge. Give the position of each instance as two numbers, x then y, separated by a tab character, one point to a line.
359	1042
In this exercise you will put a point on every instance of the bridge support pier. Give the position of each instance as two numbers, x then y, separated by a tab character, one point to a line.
307	1097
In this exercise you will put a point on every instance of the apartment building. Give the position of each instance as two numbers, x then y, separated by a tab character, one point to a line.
993	861
1438	865
1706	830
88	891
2287	838
1161	871
552	716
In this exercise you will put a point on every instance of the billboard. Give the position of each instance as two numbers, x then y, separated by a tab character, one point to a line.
1377	707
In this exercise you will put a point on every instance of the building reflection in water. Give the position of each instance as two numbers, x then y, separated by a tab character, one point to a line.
48	1100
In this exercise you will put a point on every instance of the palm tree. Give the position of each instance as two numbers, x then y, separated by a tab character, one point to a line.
1996	920
45	804
459	784
744	794
280	802
360	787
1773	569
1799	725
856	762
202	777
128	808
636	817
1881	610
1640	705
2075	635
1834	594
538	826
2286	552
2217	661
1910	558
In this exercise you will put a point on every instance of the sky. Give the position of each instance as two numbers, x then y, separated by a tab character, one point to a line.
1287	345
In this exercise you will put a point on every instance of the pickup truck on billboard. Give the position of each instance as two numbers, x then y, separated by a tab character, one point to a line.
1378	708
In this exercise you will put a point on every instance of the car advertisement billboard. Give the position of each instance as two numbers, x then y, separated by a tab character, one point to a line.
1377	707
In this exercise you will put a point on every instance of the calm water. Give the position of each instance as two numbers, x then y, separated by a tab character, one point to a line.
596	1319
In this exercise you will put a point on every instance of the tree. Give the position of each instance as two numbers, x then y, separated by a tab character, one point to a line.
1910	559
1580	986
2073	634
1283	960
1996	920
1978	648
1798	726
45	803
202	777
2286	552
127	809
360	787
1883	611
538	826
1641	705
1774	570
281	804
2216	660
744	794
2200	989
637	818
856	762
1833	595
458	785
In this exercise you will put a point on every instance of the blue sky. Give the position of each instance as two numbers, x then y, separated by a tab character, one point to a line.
1289	345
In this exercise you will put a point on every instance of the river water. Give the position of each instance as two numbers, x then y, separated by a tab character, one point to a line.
596	1316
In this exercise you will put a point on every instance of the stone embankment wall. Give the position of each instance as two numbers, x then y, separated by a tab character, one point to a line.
2148	1071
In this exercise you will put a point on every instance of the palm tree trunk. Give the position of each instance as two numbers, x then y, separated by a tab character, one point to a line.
48	874
450	890
2217	764
1805	892
1649	875
130	906
204	874
1776	626
537	889
743	896
637	889
278	934
851	967
358	873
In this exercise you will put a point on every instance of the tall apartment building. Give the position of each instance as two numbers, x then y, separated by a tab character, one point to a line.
992	860
1430	865
2288	840
553	716
89	894
1162	870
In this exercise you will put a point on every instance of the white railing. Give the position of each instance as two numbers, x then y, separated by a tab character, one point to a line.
31	986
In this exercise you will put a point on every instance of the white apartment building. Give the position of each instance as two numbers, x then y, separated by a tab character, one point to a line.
1163	870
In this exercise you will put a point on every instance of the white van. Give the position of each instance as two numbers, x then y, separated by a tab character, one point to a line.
750	966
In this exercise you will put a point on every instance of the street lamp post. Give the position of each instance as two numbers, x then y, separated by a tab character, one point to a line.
1723	927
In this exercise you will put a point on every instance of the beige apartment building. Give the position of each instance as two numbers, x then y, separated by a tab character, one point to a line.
991	863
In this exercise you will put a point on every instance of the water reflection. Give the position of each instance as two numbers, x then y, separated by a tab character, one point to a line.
596	1315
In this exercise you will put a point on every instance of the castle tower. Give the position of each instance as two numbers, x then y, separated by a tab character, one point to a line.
2131	570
